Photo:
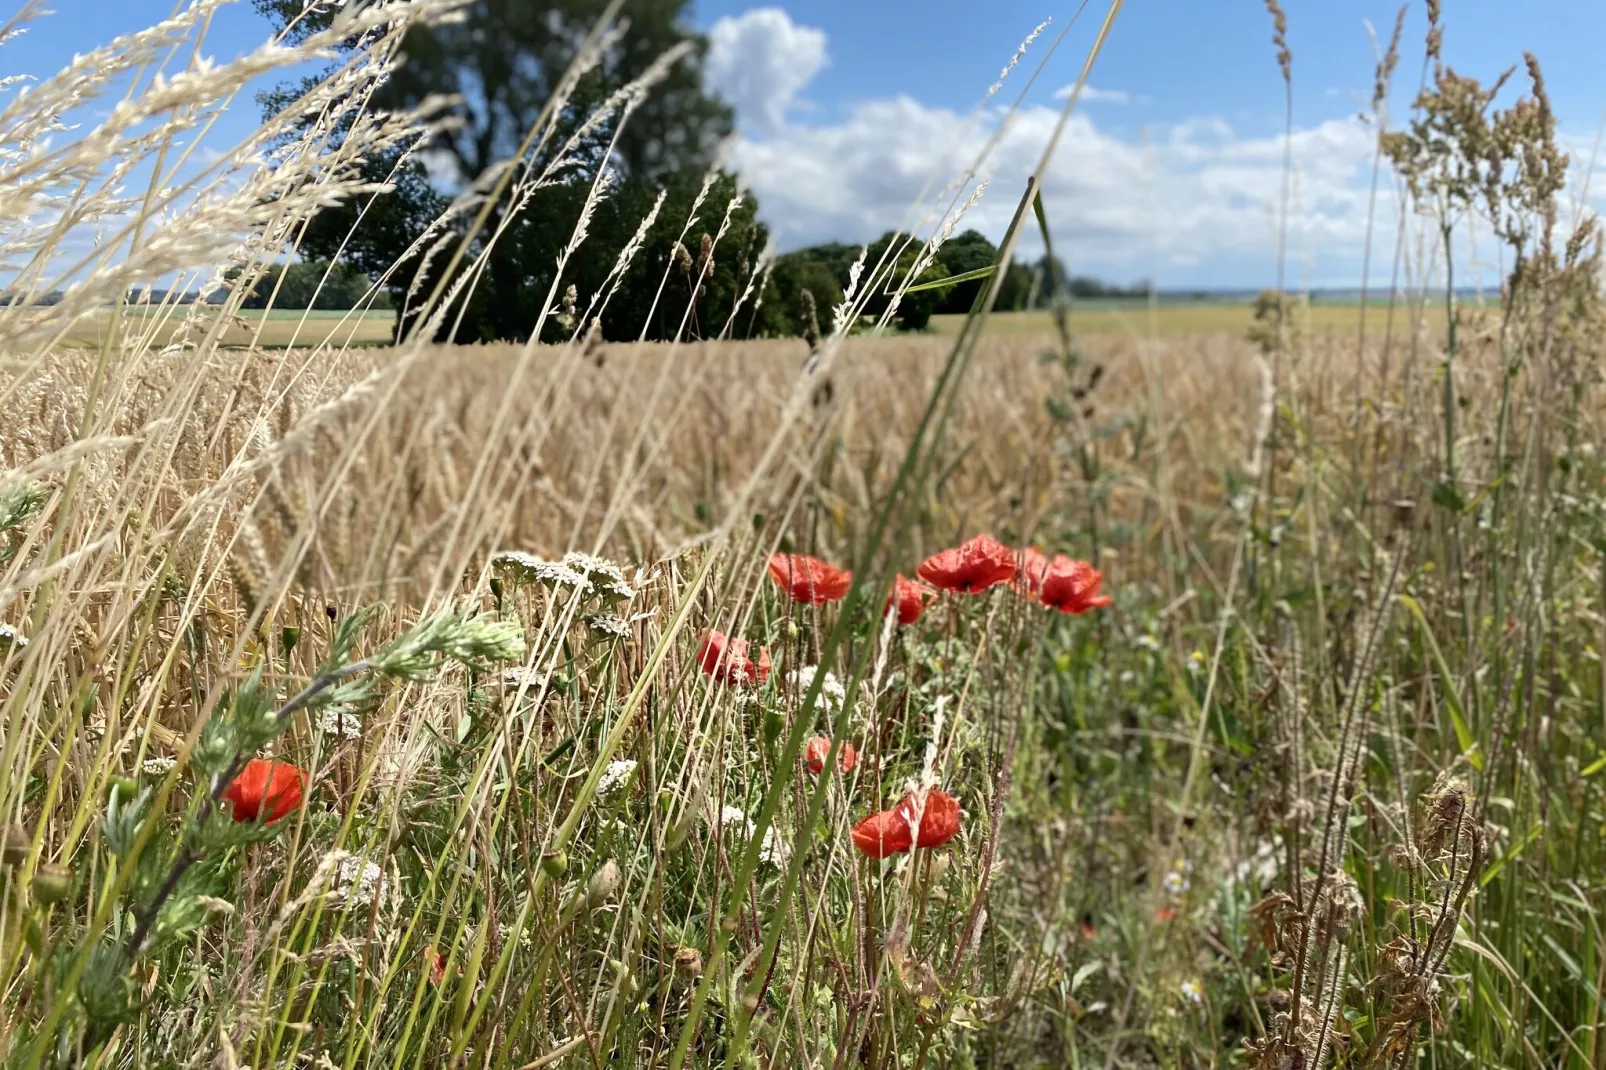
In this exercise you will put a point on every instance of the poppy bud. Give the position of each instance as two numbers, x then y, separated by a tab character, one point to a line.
603	883
728	923
52	883
14	850
125	787
289	636
554	863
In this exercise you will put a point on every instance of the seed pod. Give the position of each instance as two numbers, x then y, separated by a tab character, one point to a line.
52	883
688	962
125	787
554	863
289	636
603	883
14	850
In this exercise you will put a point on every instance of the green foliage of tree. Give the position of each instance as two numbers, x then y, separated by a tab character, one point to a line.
317	284
503	59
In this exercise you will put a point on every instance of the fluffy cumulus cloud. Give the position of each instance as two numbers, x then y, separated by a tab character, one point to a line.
1198	192
759	61
1194	204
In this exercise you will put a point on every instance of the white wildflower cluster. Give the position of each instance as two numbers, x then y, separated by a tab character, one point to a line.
158	765
9	636
357	882
615	776
832	693
608	625
1192	992
339	722
771	852
605	577
522	567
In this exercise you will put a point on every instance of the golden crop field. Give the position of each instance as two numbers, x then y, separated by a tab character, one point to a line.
1190	689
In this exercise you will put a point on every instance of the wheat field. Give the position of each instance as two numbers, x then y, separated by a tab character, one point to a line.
1218	692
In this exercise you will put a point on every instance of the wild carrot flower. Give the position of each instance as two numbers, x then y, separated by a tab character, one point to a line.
808	579
910	597
614	777
1072	586
335	721
1032	566
832	693
265	789
357	882
883	834
816	750
939	821
981	563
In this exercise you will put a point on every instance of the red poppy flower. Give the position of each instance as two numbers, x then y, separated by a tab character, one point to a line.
808	579
264	789
1164	914
435	962
911	597
1072	586
815	751
1032	566
883	834
1088	932
939	822
726	660
981	563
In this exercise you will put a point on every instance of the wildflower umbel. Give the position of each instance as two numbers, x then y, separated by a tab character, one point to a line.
615	776
357	882
981	563
832	693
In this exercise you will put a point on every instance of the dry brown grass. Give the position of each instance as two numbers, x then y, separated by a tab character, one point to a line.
641	449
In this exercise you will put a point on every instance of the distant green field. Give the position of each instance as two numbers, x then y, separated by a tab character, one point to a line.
1187	317
273	328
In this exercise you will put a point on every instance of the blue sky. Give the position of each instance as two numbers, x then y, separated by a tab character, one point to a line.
1170	169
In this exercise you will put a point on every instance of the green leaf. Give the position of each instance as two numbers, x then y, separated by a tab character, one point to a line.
1458	713
1447	497
1594	767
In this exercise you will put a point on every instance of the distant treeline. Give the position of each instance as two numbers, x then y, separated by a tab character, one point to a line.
823	273
316	284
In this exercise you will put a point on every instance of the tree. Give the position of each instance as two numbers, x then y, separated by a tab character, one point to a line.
503	59
308	284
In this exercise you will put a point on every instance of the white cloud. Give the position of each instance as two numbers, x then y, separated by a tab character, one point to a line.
759	60
1191	203
1092	94
1198	192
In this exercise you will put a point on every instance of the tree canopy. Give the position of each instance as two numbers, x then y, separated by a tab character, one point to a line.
502	60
